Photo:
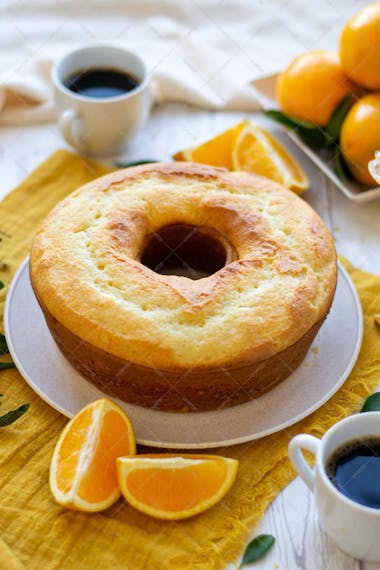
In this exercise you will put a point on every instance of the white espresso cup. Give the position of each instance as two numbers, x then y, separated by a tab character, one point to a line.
354	527
101	126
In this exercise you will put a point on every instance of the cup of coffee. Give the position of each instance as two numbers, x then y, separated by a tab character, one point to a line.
102	96
345	481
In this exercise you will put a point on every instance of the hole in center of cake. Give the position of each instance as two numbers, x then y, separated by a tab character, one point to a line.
187	251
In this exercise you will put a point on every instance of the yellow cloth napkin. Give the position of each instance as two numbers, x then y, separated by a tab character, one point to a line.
37	533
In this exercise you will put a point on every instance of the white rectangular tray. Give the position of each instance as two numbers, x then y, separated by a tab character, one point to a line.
265	91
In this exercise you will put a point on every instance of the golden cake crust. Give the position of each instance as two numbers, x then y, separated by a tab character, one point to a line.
84	266
86	272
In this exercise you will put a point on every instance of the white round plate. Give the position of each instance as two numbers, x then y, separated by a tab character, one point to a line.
325	368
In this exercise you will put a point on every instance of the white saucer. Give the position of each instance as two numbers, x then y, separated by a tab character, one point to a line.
325	368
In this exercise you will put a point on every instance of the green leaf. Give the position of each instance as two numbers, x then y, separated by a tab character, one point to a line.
5	365
280	117
336	120
3	345
340	167
257	548
121	164
372	403
13	415
313	136
2	285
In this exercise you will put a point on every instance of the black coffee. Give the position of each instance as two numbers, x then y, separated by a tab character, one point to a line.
101	83
354	469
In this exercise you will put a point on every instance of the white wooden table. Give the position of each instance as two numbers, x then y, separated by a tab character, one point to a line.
300	544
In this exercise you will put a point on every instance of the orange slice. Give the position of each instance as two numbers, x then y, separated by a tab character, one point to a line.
374	167
258	152
216	151
175	486
83	473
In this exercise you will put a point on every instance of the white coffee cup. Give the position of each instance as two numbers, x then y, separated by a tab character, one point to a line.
101	126
354	527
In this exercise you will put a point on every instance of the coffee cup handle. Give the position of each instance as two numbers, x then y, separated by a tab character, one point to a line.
69	121
296	445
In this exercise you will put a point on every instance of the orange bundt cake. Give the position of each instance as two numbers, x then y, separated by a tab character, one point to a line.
183	287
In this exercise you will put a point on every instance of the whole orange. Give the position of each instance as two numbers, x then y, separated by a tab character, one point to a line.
360	136
312	86
360	47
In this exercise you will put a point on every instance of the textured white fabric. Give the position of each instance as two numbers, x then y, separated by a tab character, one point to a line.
203	52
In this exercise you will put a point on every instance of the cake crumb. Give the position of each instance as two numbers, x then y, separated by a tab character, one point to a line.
315	349
276	566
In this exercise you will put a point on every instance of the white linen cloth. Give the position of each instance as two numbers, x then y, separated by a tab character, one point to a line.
202	52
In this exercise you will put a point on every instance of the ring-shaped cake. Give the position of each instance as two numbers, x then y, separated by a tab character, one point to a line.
183	287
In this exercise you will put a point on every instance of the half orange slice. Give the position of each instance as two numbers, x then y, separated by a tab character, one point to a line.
175	487
258	152
83	473
216	151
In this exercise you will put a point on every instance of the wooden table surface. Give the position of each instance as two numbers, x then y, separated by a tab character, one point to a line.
300	543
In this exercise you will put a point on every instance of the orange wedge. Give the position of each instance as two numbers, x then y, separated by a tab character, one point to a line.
374	167
175	487
83	473
216	151
258	152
